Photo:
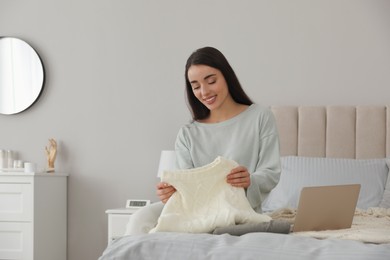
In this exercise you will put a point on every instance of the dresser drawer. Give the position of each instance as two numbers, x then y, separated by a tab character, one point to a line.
15	240
16	202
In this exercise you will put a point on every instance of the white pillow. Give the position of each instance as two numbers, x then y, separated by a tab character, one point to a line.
386	194
299	172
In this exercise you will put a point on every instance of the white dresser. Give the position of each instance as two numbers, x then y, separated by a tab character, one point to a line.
33	216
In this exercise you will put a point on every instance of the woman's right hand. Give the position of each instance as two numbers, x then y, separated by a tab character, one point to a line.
164	191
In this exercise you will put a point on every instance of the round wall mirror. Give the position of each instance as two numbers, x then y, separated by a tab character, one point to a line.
21	75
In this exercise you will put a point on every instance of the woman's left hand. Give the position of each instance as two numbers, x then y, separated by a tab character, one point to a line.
239	177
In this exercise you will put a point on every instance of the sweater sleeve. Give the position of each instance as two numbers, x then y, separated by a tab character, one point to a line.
268	168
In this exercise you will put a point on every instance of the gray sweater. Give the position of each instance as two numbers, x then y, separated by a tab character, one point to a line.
250	139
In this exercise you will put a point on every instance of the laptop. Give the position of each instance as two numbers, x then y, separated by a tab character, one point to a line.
326	207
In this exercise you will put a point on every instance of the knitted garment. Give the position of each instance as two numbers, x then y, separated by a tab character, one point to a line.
204	200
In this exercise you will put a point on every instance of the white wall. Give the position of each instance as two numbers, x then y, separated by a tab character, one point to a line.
114	93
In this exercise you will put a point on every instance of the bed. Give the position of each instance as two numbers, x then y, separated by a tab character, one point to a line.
320	145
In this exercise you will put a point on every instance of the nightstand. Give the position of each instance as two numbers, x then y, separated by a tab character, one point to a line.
117	221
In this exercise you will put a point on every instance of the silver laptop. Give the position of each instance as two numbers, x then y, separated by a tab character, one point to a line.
326	207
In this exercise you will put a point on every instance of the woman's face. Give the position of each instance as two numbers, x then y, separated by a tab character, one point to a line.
209	86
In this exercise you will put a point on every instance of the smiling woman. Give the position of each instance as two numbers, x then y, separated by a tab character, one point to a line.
210	88
21	75
207	72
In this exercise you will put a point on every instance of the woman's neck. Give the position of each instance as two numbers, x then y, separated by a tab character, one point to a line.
225	113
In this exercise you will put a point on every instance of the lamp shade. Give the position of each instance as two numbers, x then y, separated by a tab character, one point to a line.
167	161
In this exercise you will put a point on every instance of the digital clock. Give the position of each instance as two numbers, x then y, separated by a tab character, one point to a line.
132	203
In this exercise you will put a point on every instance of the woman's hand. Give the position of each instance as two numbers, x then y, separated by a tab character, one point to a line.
239	177
164	191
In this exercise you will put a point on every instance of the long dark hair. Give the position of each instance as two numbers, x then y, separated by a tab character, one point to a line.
212	57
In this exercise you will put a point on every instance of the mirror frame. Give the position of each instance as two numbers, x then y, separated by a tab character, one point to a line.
39	85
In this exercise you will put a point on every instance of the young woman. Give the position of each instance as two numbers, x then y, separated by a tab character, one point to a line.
226	123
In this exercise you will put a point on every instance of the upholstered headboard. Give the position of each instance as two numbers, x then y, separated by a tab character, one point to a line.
359	132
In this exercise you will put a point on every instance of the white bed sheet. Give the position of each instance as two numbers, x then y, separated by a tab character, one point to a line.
249	246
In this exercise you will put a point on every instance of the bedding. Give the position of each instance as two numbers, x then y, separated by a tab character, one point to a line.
385	203
355	139
173	245
369	226
298	172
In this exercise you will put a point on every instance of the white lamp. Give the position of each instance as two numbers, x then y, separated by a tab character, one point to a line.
167	162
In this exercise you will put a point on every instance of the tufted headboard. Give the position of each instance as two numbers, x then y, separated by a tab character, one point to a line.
360	132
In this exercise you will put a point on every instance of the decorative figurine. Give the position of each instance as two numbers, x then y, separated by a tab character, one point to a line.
51	153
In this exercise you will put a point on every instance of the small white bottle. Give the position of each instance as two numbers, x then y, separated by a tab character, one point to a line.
10	158
3	159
